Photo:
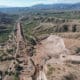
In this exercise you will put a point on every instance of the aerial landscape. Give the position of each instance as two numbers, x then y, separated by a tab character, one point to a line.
40	40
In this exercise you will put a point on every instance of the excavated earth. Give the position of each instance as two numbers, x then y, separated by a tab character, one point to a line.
58	62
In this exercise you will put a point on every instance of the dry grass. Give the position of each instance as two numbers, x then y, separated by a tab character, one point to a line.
70	35
72	44
4	65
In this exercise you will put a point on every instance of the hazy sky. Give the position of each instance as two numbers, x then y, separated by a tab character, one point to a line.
32	2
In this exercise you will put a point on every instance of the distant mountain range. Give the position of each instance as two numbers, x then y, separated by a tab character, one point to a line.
41	7
57	6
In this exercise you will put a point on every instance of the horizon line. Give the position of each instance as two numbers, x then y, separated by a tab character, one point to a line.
7	6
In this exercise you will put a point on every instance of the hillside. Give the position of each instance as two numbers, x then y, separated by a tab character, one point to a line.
6	25
41	42
53	44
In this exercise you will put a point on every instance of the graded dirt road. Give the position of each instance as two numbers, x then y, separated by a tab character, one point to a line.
18	40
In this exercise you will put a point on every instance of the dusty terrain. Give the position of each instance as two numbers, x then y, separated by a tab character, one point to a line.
55	54
56	57
46	49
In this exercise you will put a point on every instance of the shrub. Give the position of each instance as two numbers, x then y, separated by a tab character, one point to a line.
69	77
74	28
16	75
50	71
78	50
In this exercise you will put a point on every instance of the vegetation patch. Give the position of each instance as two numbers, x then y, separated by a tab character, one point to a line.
50	70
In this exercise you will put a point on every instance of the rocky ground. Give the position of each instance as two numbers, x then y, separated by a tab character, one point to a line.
54	56
58	61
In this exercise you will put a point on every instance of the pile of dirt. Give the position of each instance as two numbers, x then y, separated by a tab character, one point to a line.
51	47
